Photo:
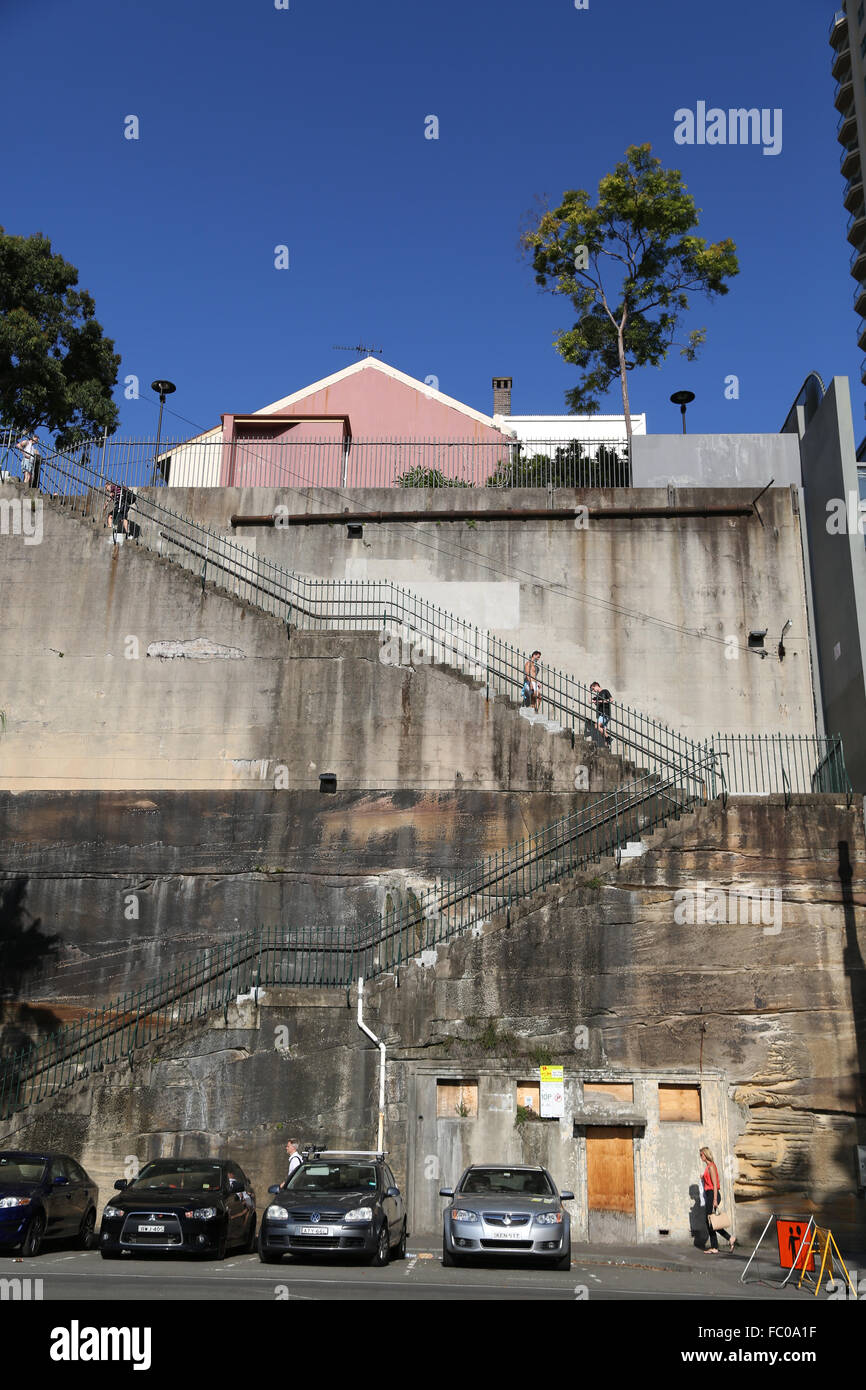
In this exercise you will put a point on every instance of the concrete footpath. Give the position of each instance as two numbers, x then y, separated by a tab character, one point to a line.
681	1258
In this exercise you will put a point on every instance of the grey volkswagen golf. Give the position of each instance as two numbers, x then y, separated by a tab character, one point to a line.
513	1210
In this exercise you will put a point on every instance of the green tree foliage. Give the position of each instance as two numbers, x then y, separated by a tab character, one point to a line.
628	263
572	465
57	369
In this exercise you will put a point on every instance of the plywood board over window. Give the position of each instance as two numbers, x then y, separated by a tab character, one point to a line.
617	1090
456	1100
529	1095
677	1102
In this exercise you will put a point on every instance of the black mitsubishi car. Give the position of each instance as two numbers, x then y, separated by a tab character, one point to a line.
336	1203
201	1206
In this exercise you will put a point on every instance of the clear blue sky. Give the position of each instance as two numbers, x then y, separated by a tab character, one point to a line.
305	127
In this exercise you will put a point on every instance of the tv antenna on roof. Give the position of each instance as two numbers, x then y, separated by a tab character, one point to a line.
360	348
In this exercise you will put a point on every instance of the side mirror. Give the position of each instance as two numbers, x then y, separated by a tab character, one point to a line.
393	1192
60	1181
566	1196
120	1184
276	1188
446	1192
235	1185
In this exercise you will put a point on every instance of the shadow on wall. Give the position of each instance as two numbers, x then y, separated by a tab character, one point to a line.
24	951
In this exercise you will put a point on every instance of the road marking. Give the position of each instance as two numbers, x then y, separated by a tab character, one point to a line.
411	1263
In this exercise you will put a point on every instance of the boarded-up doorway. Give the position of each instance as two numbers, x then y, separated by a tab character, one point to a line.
610	1183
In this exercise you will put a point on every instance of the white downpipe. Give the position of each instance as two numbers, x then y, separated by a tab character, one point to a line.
380	1138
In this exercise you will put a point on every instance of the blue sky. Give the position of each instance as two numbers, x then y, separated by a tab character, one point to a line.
305	127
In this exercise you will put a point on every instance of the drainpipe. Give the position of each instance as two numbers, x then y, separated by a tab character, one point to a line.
380	1141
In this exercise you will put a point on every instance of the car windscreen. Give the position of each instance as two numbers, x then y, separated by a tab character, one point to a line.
513	1180
21	1170
180	1177
333	1177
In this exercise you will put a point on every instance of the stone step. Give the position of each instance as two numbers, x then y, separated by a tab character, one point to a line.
633	849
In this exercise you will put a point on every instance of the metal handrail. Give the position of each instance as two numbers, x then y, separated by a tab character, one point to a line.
402	619
682	773
328	957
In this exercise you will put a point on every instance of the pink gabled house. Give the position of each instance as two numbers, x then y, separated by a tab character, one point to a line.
364	426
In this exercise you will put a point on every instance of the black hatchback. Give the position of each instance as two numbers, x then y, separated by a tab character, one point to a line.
336	1203
200	1206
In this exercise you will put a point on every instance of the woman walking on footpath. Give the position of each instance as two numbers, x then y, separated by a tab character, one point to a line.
712	1192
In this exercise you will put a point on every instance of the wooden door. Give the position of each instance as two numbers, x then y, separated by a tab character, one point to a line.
610	1182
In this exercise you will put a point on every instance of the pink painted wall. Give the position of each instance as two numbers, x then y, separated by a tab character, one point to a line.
380	409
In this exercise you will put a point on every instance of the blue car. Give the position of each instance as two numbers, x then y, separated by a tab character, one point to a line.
45	1196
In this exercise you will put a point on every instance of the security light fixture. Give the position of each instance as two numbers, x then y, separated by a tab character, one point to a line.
327	781
682	399
756	641
782	640
355	531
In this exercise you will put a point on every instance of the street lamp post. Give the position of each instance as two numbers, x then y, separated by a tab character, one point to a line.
682	399
165	388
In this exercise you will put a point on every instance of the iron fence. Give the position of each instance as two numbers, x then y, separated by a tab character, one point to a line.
294	956
349	463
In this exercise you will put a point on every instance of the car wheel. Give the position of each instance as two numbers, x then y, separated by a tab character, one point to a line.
110	1254
383	1247
448	1260
268	1257
87	1230
400	1252
564	1261
249	1244
33	1239
221	1248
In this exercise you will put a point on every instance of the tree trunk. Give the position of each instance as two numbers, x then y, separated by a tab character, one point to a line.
624	380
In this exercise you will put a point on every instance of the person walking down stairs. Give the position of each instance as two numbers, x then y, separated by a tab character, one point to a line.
531	686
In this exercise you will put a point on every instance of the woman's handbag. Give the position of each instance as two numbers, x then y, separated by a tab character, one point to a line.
720	1221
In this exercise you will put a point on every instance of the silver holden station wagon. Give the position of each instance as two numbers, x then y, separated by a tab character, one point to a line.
511	1210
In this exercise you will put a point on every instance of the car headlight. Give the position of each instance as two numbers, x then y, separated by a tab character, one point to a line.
359	1214
549	1218
203	1214
112	1213
276	1214
14	1201
461	1214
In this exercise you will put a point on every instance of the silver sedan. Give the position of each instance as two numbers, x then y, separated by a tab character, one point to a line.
514	1210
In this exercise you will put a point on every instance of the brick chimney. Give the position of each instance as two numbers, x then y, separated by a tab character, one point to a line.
502	395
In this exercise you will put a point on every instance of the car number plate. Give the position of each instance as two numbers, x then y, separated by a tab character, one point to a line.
507	1235
315	1231
152	1230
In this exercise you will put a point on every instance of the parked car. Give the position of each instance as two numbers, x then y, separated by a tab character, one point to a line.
336	1203
45	1196
514	1210
201	1206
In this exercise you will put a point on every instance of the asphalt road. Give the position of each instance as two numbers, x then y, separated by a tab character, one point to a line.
75	1275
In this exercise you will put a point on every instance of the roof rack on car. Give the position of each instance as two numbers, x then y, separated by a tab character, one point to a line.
349	1153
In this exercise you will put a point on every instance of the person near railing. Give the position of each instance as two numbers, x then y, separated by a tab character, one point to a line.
120	499
601	698
531	685
28	448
